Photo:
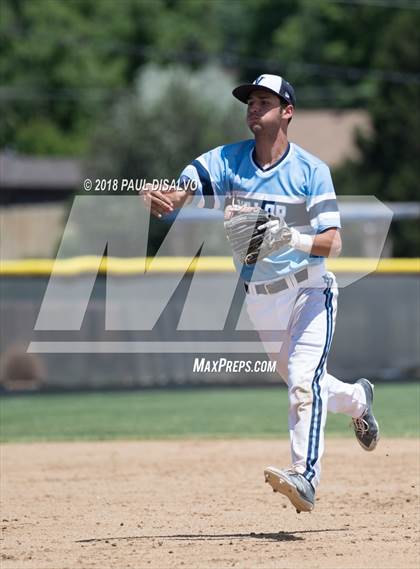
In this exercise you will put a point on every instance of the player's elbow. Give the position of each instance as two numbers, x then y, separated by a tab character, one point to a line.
335	251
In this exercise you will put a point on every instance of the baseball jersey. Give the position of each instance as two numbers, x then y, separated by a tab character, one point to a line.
298	187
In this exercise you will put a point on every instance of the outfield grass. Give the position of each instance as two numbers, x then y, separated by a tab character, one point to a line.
185	413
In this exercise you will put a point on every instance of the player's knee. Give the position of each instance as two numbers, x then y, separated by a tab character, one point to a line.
301	395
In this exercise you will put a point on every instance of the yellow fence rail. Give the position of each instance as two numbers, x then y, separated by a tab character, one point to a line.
137	265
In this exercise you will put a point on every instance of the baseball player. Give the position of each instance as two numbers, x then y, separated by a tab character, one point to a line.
280	254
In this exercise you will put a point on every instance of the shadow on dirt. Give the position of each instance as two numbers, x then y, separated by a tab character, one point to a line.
278	536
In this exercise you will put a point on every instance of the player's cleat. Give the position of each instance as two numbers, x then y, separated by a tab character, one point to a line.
293	485
366	427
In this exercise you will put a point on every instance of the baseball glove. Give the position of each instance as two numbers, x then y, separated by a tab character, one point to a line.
254	234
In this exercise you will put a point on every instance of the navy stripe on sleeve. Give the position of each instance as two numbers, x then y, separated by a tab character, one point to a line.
325	206
208	192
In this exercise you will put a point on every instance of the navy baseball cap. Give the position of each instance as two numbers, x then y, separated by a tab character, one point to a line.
271	83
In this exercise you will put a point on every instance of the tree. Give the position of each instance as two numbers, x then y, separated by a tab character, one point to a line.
172	117
62	63
389	164
324	48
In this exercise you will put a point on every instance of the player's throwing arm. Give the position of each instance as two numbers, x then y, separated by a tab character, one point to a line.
165	199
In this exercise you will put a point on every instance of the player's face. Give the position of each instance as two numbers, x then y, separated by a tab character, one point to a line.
264	111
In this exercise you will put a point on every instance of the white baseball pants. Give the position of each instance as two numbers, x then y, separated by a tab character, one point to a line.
303	316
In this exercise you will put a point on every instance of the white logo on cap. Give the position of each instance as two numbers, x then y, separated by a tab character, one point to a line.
259	79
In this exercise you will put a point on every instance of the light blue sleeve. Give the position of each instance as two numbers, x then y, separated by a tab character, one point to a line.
321	201
207	172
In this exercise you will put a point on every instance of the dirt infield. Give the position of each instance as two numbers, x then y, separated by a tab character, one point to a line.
204	504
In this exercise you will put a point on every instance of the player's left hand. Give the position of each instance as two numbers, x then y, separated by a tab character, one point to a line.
278	233
254	234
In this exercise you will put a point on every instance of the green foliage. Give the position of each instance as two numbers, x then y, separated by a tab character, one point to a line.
183	28
186	413
68	66
389	166
325	48
173	116
64	62
61	64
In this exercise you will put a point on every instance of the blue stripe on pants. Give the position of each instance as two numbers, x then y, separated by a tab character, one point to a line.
316	418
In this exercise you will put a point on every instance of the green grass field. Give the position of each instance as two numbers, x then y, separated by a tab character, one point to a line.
185	413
